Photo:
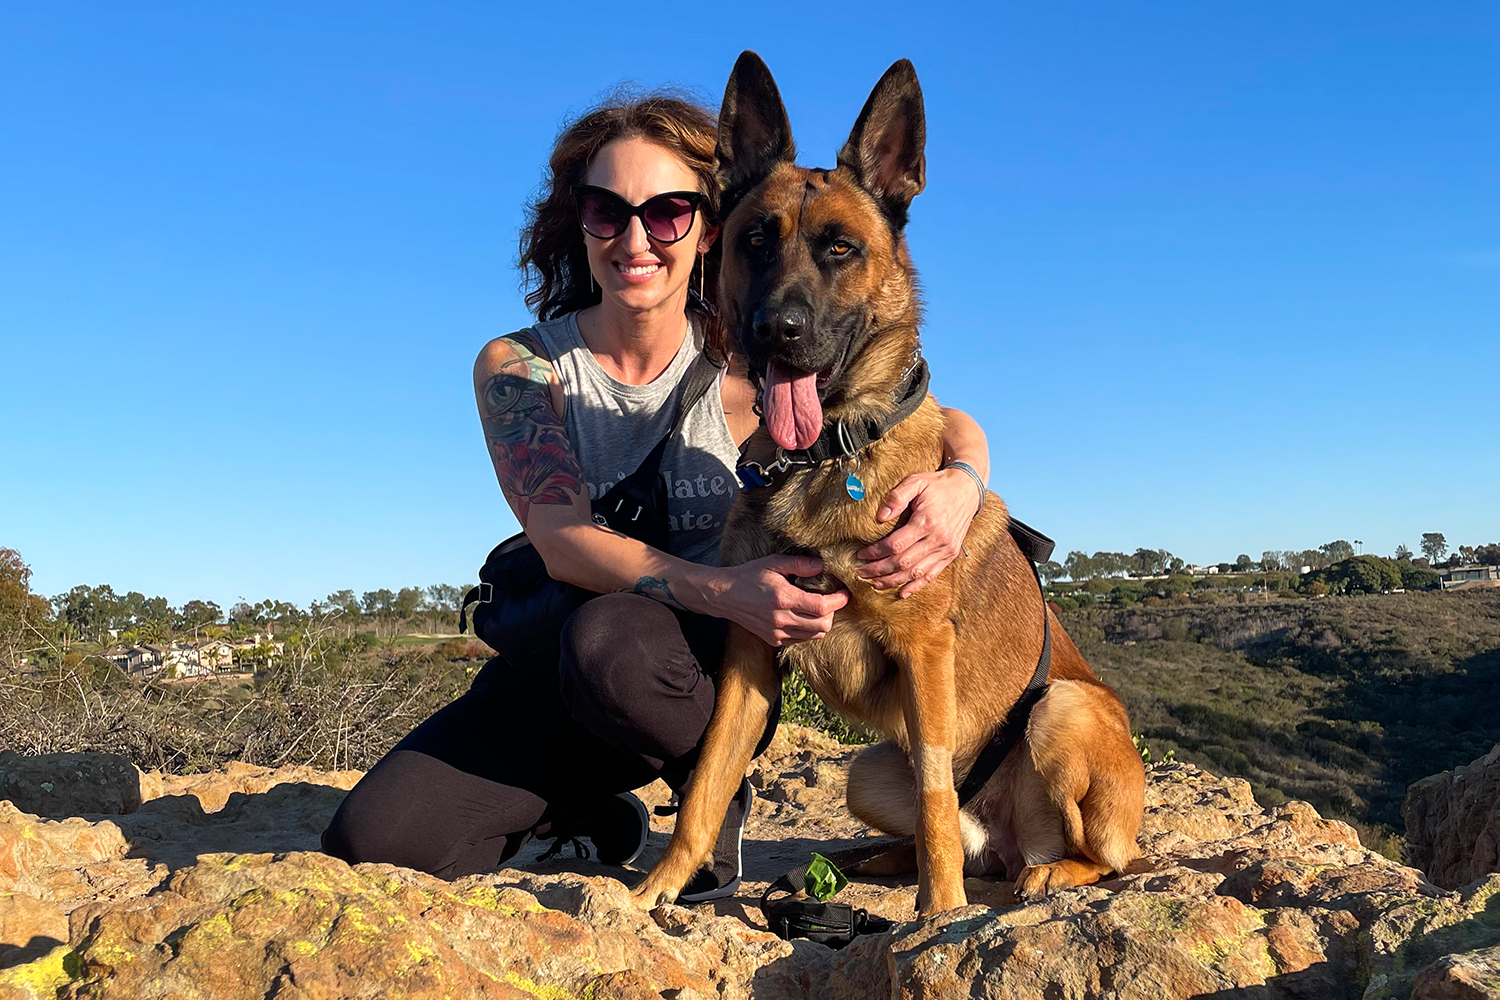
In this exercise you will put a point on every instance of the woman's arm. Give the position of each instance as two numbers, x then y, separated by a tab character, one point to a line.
942	505
519	399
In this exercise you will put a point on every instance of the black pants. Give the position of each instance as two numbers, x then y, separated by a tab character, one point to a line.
622	700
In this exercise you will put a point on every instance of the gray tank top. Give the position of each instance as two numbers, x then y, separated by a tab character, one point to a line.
614	426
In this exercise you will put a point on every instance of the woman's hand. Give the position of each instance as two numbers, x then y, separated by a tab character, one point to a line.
760	597
942	505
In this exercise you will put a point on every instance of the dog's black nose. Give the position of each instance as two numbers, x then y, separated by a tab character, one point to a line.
783	324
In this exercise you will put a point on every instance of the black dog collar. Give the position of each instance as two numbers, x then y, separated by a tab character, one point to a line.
840	440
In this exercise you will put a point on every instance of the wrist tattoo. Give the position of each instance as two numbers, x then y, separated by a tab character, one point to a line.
658	588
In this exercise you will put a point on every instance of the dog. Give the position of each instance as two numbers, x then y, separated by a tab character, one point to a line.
817	284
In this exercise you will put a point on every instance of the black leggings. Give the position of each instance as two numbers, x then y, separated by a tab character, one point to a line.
623	699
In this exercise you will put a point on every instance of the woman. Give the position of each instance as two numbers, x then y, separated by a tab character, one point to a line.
547	746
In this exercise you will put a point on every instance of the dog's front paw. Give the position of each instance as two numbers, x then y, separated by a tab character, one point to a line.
1039	881
648	895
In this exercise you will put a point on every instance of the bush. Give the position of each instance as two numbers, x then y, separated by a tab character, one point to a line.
800	704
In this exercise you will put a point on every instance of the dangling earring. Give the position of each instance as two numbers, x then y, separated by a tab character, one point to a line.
701	268
593	285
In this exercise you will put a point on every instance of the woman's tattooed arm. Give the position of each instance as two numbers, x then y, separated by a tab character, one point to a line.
527	441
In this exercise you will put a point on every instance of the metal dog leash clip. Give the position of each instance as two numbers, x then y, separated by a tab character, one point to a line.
753	475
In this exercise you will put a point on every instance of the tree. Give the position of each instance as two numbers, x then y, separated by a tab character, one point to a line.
22	613
1336	551
196	614
1243	563
406	602
1078	566
1434	545
1403	554
1465	555
378	605
1049	571
1270	560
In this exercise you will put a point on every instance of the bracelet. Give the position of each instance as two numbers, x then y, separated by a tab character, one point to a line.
956	464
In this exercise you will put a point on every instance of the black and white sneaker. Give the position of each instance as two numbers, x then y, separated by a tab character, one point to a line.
722	878
616	825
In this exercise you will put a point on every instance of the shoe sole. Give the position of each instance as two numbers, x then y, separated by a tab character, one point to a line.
731	887
640	808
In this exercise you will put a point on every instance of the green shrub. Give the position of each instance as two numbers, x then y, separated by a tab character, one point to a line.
800	704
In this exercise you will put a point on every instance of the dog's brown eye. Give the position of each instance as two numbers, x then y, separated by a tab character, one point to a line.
839	248
757	239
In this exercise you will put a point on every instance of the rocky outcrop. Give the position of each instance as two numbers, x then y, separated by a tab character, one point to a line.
211	887
1453	822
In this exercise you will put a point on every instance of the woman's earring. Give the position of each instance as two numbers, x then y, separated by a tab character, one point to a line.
593	285
701	269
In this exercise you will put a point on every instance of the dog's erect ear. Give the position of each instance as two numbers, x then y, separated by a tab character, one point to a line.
885	150
754	134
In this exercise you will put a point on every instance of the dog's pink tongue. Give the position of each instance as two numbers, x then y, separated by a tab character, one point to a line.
793	414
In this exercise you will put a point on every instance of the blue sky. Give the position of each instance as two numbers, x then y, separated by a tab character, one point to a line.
1214	279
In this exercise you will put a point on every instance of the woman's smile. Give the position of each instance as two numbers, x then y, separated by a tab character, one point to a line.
638	272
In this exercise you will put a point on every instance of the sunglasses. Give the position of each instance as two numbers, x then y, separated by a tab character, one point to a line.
667	217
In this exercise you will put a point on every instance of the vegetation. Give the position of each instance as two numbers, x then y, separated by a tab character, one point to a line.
1341	702
1339	686
329	702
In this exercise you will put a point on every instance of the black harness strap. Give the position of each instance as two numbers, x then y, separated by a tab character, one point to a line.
1037	548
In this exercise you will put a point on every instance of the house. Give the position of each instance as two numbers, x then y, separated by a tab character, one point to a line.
245	648
1196	570
1466	576
137	660
199	659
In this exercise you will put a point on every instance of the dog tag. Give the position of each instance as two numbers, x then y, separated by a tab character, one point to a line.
855	487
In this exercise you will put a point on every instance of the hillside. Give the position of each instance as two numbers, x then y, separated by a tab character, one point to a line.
1342	702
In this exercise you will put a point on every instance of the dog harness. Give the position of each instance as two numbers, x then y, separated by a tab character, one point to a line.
837	924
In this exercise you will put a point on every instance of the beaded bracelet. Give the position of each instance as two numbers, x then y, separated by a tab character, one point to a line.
955	464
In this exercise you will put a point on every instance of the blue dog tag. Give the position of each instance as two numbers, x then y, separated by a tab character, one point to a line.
854	487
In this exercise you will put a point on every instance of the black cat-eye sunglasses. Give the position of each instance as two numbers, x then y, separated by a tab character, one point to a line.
668	217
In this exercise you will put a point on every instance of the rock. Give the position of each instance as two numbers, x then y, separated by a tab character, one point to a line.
1473	975
70	784
29	927
306	925
1453	822
212	888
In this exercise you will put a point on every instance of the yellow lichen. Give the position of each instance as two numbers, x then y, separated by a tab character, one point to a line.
539	990
44	976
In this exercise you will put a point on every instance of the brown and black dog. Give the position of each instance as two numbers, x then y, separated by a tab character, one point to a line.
818	286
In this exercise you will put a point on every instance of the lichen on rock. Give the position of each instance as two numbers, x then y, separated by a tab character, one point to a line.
212	887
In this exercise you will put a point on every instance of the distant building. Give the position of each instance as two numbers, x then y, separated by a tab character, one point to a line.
138	660
1478	576
1201	570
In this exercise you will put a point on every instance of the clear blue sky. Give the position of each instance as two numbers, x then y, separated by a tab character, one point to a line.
1214	278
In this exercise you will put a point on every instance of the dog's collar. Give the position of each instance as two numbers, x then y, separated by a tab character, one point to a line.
841	440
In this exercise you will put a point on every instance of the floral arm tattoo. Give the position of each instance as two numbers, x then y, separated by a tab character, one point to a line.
528	443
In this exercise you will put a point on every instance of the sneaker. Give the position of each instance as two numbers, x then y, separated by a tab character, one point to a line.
617	825
722	879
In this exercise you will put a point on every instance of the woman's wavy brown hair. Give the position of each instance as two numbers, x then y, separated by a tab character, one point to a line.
553	259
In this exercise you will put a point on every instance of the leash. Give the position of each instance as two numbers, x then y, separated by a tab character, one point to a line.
837	924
